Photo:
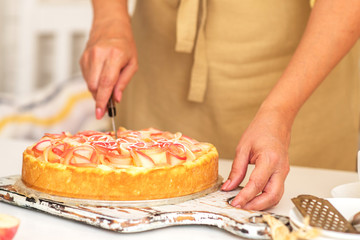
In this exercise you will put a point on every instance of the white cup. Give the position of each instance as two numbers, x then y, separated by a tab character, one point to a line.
348	190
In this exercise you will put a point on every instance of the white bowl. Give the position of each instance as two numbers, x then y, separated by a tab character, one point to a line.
348	190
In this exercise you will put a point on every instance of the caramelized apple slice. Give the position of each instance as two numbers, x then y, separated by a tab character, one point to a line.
190	156
115	159
188	139
56	153
141	159
57	136
41	146
82	156
174	160
124	148
176	154
156	153
119	161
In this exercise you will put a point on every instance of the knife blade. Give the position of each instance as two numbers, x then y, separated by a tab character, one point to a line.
112	114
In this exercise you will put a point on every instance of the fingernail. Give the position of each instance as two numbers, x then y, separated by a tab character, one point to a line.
226	184
235	204
118	97
98	113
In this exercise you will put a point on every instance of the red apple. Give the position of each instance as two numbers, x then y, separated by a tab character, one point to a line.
8	226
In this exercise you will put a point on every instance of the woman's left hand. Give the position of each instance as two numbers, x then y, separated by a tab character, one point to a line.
265	143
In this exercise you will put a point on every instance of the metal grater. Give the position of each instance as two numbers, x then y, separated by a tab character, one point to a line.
322	214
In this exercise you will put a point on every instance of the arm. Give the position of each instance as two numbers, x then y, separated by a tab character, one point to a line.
333	28
109	59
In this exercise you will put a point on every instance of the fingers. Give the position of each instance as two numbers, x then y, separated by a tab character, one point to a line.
109	76
270	196
256	184
265	179
126	74
238	170
107	68
91	66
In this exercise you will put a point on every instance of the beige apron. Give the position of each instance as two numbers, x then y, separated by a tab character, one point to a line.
205	66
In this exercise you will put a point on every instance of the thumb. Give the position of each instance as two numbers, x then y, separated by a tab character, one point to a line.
238	170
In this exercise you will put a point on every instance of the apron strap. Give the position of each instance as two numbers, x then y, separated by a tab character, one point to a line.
186	22
187	18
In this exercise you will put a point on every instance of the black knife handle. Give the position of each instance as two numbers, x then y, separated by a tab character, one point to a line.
111	107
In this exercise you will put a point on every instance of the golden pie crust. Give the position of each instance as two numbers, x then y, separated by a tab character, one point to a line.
122	184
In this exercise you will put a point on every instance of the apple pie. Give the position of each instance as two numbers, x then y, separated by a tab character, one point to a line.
138	165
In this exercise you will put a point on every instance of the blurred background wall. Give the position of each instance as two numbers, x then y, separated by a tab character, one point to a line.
41	88
41	42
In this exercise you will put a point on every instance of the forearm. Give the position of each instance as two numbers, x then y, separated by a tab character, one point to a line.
333	28
110	10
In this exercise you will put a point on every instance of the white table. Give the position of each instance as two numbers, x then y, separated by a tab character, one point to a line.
36	225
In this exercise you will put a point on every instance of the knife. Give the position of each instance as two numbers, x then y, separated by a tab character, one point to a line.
112	114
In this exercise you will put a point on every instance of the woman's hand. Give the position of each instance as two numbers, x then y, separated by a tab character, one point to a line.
110	59
265	143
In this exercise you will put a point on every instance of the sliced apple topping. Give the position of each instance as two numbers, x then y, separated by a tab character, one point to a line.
141	159
188	139
146	148
119	161
56	153
58	136
82	156
39	148
74	141
156	154
178	150
124	148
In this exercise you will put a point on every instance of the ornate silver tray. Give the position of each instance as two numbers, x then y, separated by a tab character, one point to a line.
210	207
